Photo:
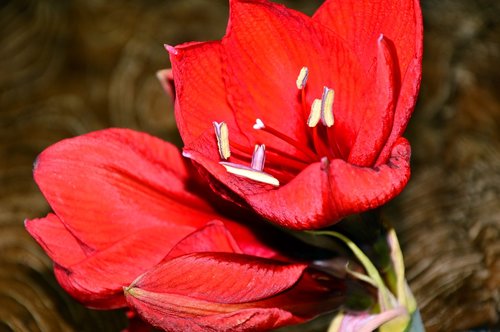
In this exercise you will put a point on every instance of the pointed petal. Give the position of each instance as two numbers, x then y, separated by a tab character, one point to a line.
109	184
109	300
61	246
166	79
214	237
265	47
226	292
101	277
200	91
360	23
378	119
404	108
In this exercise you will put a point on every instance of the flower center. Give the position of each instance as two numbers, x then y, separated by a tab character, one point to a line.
321	110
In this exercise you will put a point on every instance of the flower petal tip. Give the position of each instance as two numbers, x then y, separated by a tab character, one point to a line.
186	154
171	49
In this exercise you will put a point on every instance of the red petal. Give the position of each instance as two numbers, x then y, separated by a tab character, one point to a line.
321	195
212	290
220	277
227	292
213	237
109	184
404	108
62	247
264	49
200	91
101	277
167	311
360	23
110	300
378	119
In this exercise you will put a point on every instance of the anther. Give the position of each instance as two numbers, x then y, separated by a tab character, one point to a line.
315	114
327	107
302	78
258	157
222	135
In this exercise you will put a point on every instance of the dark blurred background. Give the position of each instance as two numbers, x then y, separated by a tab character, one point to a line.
70	67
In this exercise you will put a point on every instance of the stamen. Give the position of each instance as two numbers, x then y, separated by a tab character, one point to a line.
302	78
327	107
258	157
250	173
222	135
259	125
315	114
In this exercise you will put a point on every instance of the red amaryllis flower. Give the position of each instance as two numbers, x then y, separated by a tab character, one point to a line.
207	283
323	101
122	200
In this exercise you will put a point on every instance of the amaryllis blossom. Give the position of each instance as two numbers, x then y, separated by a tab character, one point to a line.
126	203
121	200
302	118
207	283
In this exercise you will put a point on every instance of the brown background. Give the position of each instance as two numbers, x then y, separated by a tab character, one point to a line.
70	67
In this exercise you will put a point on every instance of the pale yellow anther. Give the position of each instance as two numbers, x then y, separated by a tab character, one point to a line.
222	135
315	114
250	173
327	107
302	78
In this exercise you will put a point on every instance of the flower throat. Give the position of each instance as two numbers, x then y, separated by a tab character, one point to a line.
321	110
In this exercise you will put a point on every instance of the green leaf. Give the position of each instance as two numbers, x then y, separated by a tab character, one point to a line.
404	295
